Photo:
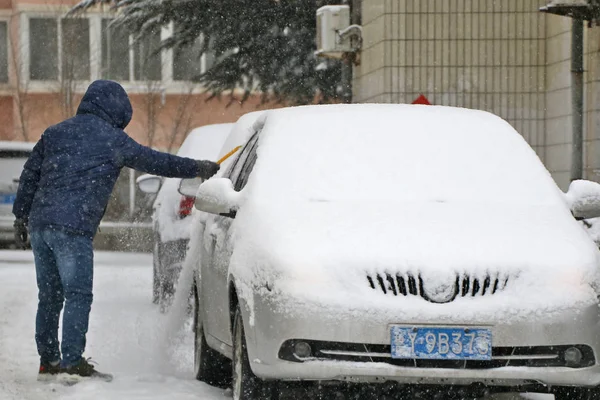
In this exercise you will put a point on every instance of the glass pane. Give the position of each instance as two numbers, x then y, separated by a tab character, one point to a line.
76	49
147	62
209	56
3	52
43	47
115	51
239	163
186	62
241	183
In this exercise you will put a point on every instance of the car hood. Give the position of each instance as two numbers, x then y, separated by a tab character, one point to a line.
335	242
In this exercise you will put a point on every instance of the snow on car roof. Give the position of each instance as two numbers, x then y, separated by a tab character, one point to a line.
205	142
20	146
398	152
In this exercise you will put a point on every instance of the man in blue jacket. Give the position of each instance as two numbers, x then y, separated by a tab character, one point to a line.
63	193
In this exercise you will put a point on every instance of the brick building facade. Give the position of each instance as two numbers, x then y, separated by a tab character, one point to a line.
47	61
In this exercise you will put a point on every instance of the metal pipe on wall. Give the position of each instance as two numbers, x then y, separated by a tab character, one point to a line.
132	188
577	98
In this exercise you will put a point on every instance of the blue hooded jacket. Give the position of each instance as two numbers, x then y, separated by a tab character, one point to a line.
67	181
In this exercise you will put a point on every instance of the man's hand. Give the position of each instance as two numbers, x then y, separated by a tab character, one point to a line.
21	233
206	169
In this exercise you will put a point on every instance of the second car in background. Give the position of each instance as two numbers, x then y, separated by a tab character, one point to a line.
172	209
13	156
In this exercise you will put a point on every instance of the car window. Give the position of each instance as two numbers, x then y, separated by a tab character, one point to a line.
247	168
237	166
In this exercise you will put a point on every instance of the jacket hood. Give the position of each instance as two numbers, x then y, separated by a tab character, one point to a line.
109	101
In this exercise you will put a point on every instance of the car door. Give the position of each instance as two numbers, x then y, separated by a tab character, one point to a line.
218	250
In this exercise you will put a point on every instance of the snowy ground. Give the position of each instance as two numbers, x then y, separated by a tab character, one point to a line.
125	337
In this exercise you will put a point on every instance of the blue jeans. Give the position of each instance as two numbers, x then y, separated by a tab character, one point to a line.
64	265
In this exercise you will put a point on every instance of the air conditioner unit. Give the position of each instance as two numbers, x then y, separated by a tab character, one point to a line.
331	21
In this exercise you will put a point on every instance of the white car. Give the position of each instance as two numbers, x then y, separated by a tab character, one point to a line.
171	209
395	245
13	156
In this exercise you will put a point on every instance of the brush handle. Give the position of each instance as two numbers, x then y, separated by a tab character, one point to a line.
226	156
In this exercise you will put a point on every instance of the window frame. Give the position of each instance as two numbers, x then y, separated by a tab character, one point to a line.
167	84
25	38
58	67
139	68
165	74
203	62
44	86
61	48
101	44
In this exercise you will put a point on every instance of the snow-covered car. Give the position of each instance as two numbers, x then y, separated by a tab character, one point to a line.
395	244
171	209
13	156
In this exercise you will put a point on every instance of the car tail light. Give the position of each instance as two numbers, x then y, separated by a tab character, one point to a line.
185	206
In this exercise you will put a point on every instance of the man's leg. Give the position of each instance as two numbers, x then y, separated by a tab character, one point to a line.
75	259
50	295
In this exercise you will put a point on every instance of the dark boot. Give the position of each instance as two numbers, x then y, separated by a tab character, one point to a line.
84	369
48	371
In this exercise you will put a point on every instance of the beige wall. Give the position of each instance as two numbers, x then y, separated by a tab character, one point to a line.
558	137
501	56
558	98
592	104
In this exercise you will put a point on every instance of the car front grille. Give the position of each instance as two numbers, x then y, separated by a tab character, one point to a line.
526	356
411	285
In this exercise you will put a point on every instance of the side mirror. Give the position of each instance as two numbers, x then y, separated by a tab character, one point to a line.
149	183
584	199
217	196
189	187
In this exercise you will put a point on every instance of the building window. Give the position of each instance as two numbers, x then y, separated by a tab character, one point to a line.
3	51
187	62
75	49
147	64
119	52
63	50
43	47
115	51
46	37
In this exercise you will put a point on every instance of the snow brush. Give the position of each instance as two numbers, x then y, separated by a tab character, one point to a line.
226	156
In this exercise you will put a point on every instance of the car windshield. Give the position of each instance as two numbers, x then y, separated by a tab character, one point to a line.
11	165
400	154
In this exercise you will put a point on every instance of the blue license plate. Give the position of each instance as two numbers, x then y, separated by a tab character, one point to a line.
443	343
7	198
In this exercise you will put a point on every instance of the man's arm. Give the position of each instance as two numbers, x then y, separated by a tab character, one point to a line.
133	155
29	182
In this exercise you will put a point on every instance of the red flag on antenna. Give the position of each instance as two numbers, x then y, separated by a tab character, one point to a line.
422	100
